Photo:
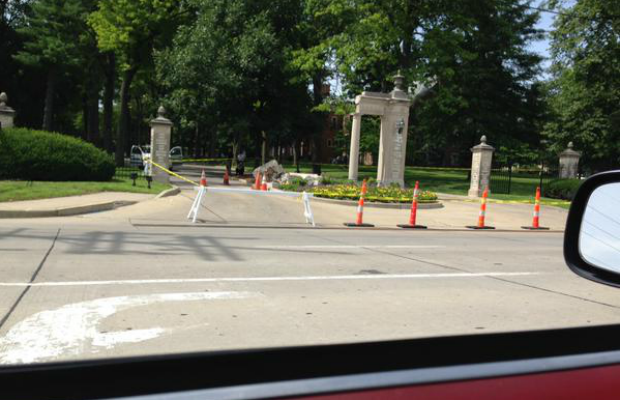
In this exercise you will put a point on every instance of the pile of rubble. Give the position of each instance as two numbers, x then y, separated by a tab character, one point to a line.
274	172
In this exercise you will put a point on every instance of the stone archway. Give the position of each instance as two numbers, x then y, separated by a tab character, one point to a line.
393	108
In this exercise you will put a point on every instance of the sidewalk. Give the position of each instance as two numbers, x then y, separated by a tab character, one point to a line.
73	205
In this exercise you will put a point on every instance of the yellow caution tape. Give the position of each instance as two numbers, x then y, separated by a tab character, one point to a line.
543	202
172	173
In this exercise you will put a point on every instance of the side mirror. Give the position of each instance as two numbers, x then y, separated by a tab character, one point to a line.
592	236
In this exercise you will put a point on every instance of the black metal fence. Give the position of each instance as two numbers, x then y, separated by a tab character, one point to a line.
501	179
508	179
126	173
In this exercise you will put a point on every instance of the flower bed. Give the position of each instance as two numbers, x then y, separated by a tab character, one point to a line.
375	194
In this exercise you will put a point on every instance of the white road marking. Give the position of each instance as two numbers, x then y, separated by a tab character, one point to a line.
271	279
344	246
72	328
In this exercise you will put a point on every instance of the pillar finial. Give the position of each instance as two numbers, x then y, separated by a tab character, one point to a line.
399	81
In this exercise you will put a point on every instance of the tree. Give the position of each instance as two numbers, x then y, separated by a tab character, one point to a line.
585	90
50	43
14	79
486	84
131	29
229	72
476	52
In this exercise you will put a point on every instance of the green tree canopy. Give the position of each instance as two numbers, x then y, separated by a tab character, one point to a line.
584	94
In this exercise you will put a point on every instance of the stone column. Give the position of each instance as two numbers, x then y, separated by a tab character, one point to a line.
569	163
482	155
393	142
161	128
7	114
354	154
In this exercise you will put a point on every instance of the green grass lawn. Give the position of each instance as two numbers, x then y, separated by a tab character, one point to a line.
20	190
442	180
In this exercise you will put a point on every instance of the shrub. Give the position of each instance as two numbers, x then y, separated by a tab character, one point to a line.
375	194
564	189
45	156
327	179
289	187
296	180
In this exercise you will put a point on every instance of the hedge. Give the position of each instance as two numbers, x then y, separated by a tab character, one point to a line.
45	156
564	189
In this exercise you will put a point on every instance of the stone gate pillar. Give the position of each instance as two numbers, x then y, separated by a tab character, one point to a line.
161	129
569	163
393	108
482	155
393	141
354	154
7	114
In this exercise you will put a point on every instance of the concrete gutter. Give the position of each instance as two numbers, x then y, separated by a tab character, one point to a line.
330	227
396	206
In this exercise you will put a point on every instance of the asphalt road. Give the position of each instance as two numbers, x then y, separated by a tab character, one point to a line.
75	291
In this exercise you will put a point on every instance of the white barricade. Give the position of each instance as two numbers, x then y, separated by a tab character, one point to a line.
305	197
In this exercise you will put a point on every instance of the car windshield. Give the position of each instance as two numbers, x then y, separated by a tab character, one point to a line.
341	171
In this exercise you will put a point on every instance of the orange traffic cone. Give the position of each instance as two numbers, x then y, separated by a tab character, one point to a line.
257	181
414	211
483	212
360	210
536	219
203	178
226	177
263	186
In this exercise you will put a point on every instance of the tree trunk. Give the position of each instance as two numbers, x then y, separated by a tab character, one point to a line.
257	149
48	113
108	102
197	141
123	123
295	157
92	105
263	147
212	143
317	83
83	134
235	151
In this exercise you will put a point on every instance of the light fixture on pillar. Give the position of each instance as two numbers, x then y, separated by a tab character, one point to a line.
400	124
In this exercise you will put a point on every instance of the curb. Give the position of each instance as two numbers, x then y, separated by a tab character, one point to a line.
83	209
397	206
169	192
334	227
66	211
